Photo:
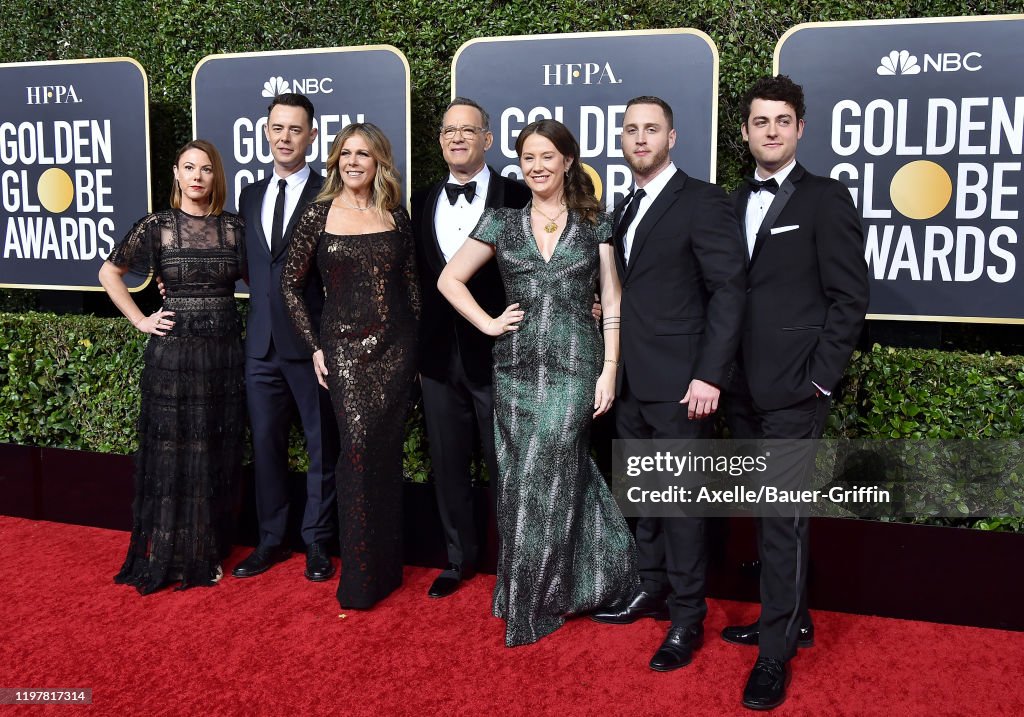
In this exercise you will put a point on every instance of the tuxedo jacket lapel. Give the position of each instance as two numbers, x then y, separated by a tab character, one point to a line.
782	197
495	190
742	199
433	249
255	219
309	192
495	198
666	198
619	249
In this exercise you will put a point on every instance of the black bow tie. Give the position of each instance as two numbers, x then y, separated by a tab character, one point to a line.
768	185
454	190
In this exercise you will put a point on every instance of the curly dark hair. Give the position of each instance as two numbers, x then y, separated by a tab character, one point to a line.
580	194
779	88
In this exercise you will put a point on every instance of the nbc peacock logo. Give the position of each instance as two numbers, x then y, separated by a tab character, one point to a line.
275	86
898	62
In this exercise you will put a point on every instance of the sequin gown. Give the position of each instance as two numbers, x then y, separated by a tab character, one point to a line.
565	548
368	335
192	418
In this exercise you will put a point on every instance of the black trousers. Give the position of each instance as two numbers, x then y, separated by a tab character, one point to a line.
783	542
671	552
276	388
458	412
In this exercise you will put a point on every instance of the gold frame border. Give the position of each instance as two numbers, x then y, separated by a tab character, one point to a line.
149	169
623	33
906	21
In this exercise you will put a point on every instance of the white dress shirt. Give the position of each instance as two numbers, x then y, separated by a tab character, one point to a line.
454	222
296	182
652	189
758	204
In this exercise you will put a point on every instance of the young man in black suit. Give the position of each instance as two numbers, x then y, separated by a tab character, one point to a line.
455	358
680	260
279	377
806	301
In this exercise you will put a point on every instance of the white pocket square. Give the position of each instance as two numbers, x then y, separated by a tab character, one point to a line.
781	230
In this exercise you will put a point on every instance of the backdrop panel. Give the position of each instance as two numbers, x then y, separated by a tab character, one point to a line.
585	80
74	168
924	121
230	95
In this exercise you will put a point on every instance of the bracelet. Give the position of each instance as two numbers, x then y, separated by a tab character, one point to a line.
611	361
138	321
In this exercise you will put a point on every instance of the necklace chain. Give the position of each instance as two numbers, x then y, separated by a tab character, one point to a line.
552	226
353	206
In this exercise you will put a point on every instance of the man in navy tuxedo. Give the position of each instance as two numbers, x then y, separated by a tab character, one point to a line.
279	377
806	300
455	358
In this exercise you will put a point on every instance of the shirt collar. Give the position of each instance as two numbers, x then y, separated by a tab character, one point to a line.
779	176
295	178
653	188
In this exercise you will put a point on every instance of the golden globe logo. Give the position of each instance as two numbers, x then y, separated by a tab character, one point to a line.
580	73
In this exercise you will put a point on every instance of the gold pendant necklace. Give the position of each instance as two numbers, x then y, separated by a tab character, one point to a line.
552	226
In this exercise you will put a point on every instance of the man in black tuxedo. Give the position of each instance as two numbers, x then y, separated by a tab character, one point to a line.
806	301
455	358
680	260
279	376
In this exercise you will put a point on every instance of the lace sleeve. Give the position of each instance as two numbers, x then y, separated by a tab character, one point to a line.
412	280
238	227
297	269
138	250
490	227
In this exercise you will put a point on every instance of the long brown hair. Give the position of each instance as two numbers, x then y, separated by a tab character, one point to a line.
387	183
579	189
219	190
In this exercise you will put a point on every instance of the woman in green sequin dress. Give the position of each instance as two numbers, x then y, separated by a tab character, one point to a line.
565	549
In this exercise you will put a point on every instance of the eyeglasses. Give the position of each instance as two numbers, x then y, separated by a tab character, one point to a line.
468	132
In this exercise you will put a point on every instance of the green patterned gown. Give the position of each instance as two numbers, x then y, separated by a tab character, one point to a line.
564	547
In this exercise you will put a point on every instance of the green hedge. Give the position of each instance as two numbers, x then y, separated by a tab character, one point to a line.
73	382
169	39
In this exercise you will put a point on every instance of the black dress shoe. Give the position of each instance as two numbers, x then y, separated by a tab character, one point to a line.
643	604
677	649
260	561
750	634
318	563
449	580
766	686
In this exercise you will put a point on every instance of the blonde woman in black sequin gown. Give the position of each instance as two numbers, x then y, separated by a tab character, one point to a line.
192	417
358	236
565	548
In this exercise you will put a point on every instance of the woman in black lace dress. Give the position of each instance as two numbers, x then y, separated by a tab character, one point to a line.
192	418
359	238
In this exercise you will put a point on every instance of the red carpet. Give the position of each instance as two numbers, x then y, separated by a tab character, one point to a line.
277	644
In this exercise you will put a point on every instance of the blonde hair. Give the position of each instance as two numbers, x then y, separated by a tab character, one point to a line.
387	183
219	190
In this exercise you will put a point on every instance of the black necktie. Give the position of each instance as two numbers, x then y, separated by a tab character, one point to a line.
768	185
626	219
277	227
453	191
